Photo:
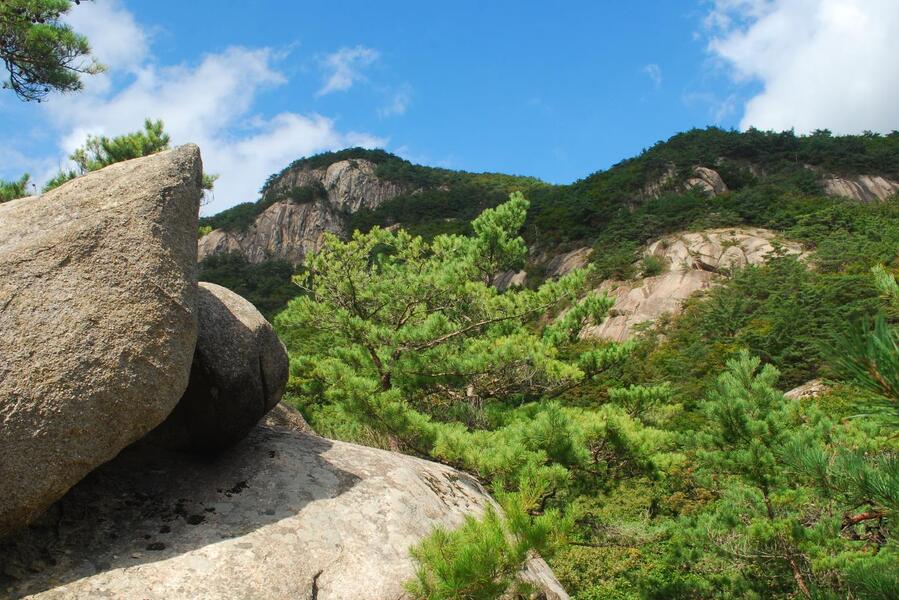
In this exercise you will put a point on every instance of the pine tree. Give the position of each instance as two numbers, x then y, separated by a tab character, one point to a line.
406	344
41	53
804	505
399	332
101	151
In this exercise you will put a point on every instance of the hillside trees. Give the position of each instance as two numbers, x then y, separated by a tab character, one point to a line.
803	506
41	53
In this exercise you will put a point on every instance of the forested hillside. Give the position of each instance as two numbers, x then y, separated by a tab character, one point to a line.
669	465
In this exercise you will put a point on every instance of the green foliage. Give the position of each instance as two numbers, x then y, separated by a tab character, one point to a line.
268	285
786	481
402	343
399	331
102	151
612	204
483	558
40	51
99	152
10	190
652	265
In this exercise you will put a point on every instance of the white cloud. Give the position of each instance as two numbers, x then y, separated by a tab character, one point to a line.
115	37
210	103
398	103
830	64
654	72
344	68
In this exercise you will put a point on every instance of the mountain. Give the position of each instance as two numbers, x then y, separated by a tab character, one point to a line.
740	265
335	191
700	179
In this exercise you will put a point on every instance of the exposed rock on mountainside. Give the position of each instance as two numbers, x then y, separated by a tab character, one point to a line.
508	279
288	229
282	515
701	178
97	321
284	230
694	262
557	266
239	372
707	180
350	184
563	264
864	188
810	389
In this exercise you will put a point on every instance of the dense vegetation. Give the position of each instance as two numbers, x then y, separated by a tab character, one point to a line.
671	466
268	285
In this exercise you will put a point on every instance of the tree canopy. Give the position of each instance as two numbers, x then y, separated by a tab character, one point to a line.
41	52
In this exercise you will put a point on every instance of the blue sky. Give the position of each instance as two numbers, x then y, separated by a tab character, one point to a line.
554	90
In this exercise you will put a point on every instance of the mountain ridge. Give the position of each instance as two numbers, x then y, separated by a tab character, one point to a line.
358	188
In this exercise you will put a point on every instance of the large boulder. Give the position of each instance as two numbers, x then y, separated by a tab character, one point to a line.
282	515
700	178
97	321
707	180
239	373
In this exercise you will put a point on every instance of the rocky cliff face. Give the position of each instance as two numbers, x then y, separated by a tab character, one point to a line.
693	261
701	178
289	230
285	230
864	188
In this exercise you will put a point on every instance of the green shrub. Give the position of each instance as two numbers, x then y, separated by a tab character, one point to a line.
652	265
484	557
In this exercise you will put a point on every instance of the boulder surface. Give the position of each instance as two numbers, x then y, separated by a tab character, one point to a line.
282	515
239	373
97	321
